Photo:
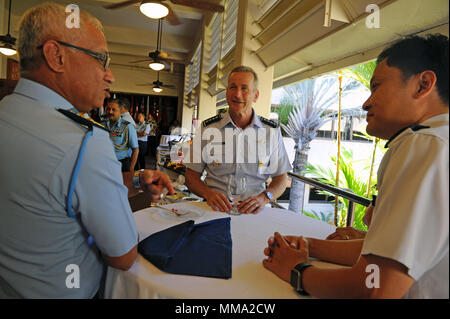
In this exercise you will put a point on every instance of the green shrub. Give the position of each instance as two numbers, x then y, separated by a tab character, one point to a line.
349	178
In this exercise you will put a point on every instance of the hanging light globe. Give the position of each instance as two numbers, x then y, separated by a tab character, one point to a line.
154	9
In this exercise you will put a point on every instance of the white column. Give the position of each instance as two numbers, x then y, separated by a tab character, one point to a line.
245	46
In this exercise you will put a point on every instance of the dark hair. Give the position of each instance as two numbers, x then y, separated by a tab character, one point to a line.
117	101
124	103
121	102
416	54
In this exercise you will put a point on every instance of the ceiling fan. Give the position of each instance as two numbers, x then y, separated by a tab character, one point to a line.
160	8
158	85
157	57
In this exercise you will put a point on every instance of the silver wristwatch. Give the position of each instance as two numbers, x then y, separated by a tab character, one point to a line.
269	195
137	179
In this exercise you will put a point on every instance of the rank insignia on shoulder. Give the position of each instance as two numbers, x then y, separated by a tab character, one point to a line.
216	164
211	120
81	120
268	122
418	127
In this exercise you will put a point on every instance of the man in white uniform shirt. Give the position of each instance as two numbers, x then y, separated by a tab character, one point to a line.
245	159
405	251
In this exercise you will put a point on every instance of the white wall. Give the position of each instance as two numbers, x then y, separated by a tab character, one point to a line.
322	150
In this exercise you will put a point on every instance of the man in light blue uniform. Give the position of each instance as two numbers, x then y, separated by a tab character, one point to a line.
44	253
123	135
242	144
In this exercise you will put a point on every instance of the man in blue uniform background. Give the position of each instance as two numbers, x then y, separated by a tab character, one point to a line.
123	135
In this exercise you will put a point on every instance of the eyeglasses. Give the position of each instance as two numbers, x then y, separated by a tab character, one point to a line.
104	59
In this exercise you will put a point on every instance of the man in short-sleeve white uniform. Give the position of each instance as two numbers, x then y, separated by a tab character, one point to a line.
244	145
405	251
413	169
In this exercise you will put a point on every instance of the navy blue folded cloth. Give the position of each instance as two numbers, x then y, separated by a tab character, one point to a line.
191	249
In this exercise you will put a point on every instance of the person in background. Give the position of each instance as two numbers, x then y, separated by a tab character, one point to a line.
153	141
405	251
241	119
123	136
174	128
142	130
46	252
125	111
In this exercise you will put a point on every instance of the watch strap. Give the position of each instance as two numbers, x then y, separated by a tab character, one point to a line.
299	269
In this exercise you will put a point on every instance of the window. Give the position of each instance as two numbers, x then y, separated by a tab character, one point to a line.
351	129
192	78
220	42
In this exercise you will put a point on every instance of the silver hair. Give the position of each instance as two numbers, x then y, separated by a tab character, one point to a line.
243	68
45	22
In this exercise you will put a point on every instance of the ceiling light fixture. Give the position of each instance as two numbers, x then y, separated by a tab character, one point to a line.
156	64
157	89
7	41
154	9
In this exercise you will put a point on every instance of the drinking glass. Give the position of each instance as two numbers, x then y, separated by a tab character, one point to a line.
236	189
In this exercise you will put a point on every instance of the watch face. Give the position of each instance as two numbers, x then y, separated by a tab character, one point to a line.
269	195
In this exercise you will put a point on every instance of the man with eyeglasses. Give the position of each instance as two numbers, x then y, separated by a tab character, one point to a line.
58	232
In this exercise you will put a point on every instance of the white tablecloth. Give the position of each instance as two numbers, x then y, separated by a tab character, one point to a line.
249	278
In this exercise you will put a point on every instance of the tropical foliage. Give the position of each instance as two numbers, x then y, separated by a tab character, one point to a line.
325	217
350	178
361	73
311	101
283	110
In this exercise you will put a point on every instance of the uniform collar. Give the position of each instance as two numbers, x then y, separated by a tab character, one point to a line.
226	119
118	123
42	94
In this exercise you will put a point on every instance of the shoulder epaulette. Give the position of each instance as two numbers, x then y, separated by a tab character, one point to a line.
211	120
268	122
414	128
418	127
81	120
